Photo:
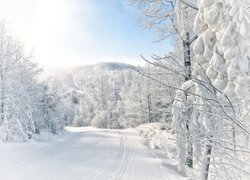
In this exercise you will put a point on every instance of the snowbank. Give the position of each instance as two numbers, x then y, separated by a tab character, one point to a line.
162	143
159	137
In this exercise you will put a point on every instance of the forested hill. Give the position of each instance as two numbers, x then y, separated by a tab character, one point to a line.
108	95
106	66
67	76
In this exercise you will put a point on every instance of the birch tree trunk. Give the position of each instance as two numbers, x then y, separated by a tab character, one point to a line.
187	65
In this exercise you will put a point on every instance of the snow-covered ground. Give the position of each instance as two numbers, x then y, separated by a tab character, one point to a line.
85	153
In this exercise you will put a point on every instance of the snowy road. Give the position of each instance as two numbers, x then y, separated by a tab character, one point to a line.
84	154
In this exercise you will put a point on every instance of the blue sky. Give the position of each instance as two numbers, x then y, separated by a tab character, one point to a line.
68	33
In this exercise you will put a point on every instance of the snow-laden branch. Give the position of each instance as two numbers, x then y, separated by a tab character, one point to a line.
193	6
193	39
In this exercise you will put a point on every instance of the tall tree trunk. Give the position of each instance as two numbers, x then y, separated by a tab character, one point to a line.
187	56
207	158
149	103
187	65
189	157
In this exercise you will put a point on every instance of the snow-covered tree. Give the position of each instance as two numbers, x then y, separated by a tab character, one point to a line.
19	89
222	51
221	67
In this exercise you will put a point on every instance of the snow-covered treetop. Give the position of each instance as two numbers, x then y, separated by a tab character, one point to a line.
223	46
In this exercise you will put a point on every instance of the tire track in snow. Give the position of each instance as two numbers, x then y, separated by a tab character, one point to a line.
108	166
133	152
87	158
125	151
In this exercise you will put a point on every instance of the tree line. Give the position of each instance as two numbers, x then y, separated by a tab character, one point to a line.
26	104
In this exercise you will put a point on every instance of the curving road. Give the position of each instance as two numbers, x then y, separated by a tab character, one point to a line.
84	154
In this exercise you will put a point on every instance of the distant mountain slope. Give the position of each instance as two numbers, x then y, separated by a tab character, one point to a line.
67	77
106	66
